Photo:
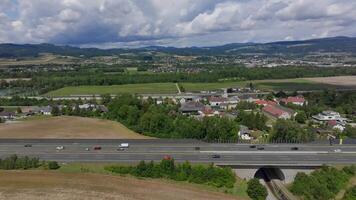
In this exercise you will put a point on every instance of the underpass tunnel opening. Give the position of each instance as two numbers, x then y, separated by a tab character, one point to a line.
269	173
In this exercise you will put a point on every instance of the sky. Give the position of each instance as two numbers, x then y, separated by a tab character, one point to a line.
180	23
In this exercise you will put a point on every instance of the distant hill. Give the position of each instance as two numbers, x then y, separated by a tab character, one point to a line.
334	44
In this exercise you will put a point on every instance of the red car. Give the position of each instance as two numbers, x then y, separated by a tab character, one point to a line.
97	148
167	158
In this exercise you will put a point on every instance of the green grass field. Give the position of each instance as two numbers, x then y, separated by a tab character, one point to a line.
270	85
170	88
148	88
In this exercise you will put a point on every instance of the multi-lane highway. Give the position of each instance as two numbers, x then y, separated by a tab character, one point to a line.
181	150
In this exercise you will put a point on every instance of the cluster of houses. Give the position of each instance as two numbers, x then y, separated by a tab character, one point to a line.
332	119
25	111
218	105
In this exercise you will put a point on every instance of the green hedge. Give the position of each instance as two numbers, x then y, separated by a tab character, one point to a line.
208	175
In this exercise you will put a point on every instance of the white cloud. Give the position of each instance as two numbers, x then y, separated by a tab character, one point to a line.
168	22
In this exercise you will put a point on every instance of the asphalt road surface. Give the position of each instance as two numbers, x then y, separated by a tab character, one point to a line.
181	150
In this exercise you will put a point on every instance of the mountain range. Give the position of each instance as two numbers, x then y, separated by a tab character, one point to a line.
302	47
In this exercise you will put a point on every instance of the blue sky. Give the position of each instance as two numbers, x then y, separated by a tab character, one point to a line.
132	23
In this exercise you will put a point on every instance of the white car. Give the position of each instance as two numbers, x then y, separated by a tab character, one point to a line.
337	150
60	147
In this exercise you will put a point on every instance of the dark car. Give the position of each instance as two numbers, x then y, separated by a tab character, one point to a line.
260	148
294	148
215	156
252	146
28	145
197	148
97	148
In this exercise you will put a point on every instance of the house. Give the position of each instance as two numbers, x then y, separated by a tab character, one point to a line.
209	112
217	101
46	110
297	100
30	110
262	102
248	97
333	124
326	116
7	115
191	107
278	112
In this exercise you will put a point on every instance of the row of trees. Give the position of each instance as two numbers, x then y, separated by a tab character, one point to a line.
200	174
14	162
322	184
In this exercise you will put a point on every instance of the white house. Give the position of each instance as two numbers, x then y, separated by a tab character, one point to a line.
328	116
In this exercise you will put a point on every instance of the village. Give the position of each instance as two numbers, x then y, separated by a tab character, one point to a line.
226	104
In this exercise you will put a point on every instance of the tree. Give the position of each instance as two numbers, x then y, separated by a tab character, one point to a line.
53	165
55	111
287	130
18	110
255	190
301	117
350	132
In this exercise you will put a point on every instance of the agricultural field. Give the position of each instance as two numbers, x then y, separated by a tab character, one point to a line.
43	59
300	84
41	184
336	80
148	88
67	128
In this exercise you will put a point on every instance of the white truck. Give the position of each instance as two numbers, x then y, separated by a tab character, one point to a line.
124	145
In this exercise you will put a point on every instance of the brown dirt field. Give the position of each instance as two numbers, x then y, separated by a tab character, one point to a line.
335	80
68	128
28	185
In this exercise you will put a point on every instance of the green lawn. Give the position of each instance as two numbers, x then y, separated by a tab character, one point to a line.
276	85
148	88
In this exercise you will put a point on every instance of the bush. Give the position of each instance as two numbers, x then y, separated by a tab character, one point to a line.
322	184
53	165
208	175
255	190
15	162
350	194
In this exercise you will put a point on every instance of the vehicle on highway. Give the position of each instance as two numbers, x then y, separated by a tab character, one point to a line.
87	149
216	156
97	148
294	148
167	157
121	149
28	145
252	146
124	145
260	148
60	148
337	150
197	148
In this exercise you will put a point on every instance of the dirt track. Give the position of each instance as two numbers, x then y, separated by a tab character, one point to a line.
30	185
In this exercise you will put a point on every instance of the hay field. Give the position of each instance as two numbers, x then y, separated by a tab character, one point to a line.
38	185
67	128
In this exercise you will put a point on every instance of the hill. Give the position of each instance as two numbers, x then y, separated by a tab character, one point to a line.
333	44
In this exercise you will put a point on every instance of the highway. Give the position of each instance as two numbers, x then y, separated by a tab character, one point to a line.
181	150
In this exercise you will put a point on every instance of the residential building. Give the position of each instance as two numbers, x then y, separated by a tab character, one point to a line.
298	100
216	101
262	102
328	116
191	107
278	112
7	115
